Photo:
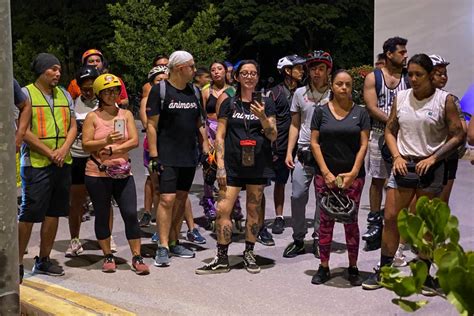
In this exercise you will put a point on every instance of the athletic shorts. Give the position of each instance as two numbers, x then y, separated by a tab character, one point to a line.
282	173
78	170
435	187
242	182
173	179
450	169
376	166
45	192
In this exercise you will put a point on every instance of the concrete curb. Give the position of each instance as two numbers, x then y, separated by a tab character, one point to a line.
38	297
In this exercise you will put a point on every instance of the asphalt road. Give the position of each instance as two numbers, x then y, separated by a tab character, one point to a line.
283	286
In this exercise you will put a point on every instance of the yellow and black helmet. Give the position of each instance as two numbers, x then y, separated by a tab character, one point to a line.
105	81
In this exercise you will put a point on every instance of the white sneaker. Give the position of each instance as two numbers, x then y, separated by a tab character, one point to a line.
399	259
75	248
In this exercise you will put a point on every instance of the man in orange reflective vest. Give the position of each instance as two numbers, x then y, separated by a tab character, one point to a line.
46	161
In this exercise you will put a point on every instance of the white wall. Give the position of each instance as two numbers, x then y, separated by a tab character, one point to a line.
444	27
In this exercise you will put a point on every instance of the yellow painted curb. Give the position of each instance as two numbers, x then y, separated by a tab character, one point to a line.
90	305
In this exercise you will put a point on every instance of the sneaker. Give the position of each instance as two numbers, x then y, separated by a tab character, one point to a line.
113	245
22	273
278	225
431	287
74	249
45	266
145	220
264	237
354	277
181	251
250	262
294	249
316	248
155	238
139	266
218	265
195	236
399	258
109	265
322	276
373	281
162	258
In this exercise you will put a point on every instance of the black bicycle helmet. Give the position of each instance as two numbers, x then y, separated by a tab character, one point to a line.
86	72
339	206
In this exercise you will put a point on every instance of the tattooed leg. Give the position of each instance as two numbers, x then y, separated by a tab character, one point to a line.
224	210
254	197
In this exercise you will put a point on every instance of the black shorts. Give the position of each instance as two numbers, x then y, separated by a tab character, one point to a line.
174	179
78	170
282	173
242	182
450	169
45	192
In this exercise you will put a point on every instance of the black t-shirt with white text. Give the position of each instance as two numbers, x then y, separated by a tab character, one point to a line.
177	125
237	115
340	139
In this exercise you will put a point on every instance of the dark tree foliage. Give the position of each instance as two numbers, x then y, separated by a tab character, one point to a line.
259	29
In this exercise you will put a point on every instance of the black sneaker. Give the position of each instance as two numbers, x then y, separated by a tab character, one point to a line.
250	262
278	225
294	249
354	277
322	276
316	248
431	287
264	237
45	266
22	273
145	220
373	281
218	265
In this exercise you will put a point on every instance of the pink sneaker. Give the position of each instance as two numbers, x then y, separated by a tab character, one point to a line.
139	266
109	264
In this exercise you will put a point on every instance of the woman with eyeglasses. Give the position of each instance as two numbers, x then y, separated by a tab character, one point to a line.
246	128
109	133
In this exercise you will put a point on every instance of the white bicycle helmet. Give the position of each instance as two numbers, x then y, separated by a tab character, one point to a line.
438	60
290	61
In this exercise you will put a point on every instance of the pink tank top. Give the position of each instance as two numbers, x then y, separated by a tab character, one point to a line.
102	129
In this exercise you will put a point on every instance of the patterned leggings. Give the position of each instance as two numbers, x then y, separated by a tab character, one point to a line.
326	227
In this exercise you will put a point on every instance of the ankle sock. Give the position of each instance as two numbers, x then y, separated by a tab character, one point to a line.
222	250
249	246
385	260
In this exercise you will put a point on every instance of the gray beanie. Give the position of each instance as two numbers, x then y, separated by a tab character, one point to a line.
44	61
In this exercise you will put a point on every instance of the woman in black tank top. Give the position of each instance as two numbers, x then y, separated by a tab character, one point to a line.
210	94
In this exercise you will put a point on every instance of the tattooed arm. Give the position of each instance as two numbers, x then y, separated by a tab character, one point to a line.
219	146
391	133
269	128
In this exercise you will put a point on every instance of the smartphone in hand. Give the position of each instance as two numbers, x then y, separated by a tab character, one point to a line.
257	96
119	126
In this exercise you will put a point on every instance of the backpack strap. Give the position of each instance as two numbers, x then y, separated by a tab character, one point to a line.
162	94
378	80
197	94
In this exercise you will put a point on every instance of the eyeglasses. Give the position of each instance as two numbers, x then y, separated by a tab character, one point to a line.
248	74
111	91
193	66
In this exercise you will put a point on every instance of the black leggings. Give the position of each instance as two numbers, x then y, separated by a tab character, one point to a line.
101	190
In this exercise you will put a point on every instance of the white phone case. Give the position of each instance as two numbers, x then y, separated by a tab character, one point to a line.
119	126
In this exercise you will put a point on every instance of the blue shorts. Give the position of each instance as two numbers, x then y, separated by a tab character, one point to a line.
44	192
282	173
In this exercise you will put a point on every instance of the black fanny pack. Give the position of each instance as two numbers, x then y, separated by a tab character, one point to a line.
412	180
305	156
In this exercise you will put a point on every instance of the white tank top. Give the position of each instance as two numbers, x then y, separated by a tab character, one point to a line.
423	129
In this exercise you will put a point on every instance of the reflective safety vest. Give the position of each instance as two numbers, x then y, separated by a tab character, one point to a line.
50	125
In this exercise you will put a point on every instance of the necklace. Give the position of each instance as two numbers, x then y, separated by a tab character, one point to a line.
314	99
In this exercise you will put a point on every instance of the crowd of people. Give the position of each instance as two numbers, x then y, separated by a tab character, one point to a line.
75	146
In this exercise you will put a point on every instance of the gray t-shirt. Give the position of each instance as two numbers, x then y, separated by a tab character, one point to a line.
25	150
81	108
303	102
